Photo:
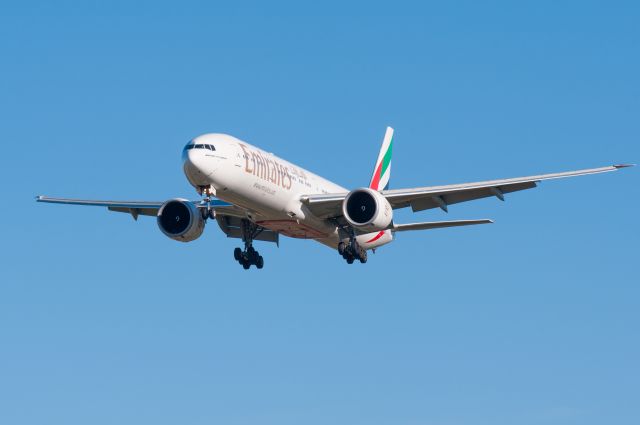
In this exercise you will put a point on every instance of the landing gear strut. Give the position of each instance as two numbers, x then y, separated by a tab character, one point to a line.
352	251
249	256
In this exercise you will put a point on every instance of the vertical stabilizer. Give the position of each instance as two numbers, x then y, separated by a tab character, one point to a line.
382	170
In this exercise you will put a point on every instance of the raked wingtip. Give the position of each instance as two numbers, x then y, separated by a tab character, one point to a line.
624	165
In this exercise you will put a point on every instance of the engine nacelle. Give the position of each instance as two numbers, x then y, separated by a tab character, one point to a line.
367	210
180	220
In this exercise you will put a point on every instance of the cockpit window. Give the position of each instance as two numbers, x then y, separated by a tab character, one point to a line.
199	146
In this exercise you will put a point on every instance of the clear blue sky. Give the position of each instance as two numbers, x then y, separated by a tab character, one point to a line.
531	320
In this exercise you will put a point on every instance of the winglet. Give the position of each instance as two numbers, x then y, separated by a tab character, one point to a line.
618	166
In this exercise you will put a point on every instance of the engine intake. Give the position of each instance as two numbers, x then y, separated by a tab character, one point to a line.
367	210
180	220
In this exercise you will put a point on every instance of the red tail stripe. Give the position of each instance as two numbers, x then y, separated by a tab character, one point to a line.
376	178
376	237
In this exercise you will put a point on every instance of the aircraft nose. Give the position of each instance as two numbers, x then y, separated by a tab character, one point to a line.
194	165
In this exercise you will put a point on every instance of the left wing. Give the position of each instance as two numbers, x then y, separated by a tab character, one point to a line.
423	198
136	208
437	225
228	216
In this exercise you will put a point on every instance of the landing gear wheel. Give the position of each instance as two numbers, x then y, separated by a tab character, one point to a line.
249	256
363	256
352	250
252	255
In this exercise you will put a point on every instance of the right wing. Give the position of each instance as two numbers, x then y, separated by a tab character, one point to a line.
423	198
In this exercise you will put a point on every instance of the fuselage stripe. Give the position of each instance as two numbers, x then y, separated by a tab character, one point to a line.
376	237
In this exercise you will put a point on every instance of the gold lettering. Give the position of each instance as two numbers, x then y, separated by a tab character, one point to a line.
258	170
267	169
246	159
288	177
274	171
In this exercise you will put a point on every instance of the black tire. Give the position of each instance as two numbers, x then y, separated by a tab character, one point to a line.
237	254
341	247
260	262
363	257
246	265
350	260
251	255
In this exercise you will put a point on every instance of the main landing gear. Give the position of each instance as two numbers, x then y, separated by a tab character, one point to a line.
352	251
249	256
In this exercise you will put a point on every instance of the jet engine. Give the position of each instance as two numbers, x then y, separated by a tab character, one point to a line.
180	220
367	210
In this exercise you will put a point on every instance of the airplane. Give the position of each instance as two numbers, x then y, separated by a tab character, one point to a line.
255	196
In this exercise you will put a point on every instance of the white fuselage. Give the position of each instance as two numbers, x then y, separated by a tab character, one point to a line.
268	187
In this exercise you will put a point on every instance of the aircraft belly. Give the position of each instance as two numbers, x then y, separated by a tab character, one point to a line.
269	205
292	228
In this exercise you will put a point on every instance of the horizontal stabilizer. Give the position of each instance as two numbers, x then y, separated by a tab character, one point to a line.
437	224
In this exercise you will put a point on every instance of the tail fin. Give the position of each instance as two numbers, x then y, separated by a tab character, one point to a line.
382	171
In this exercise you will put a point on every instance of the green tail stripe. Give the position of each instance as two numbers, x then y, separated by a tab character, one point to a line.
387	159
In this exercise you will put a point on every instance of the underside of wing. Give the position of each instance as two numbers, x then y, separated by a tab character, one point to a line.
325	206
